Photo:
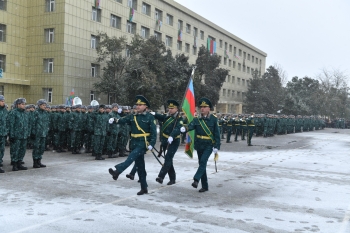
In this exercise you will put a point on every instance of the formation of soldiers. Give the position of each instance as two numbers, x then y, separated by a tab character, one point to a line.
266	125
63	128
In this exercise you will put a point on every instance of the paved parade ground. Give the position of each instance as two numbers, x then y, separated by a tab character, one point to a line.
290	183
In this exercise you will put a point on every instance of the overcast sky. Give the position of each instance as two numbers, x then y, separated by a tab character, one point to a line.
303	36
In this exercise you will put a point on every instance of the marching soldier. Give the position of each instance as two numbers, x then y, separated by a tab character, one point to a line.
207	140
100	131
251	127
3	129
113	130
19	129
40	129
236	126
229	129
170	139
143	138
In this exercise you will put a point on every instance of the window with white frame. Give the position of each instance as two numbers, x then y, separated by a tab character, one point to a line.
49	5
158	14
94	41
187	48
3	62
195	31
158	35
96	14
3	4
48	65
47	94
132	4
146	9
145	32
2	32
168	41
92	95
169	19
49	35
130	27
179	45
116	21
95	68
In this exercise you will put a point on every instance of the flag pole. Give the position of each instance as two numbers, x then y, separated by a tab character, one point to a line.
189	81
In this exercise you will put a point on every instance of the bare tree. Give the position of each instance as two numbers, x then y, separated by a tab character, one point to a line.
282	73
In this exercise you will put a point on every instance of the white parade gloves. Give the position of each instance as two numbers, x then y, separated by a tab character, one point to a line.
150	147
153	113
183	129
111	120
215	150
120	110
170	139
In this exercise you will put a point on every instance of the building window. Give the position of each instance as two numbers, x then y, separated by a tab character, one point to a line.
243	95
233	79
239	66
225	61
229	62
247	82
130	27
235	51
188	28
2	32
243	82
179	45
3	62
228	93
230	48
146	9
48	65
225	46
95	68
238	94
47	94
233	94
187	48
179	25
158	14
253	59
238	82
49	5
94	41
234	65
127	52
49	35
252	71
3	5
201	34
220	59
2	90
92	95
228	78
168	41
132	4
220	43
145	32
158	36
194	51
96	14
243	68
248	69
244	55
169	19
224	92
120	1
195	31
256	60
116	21
240	52
248	57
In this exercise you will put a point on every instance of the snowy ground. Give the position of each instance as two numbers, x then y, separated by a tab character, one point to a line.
291	183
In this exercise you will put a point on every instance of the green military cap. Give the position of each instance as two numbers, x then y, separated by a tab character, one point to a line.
172	103
140	99
205	102
102	106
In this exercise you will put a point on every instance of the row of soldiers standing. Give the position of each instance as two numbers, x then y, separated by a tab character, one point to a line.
62	127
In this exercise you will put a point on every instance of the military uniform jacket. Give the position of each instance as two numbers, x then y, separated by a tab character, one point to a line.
170	126
75	121
3	121
100	124
19	127
212	122
250	122
147	123
114	128
61	121
41	123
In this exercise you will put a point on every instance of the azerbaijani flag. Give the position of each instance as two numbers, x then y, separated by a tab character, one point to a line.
131	14
189	108
211	46
71	97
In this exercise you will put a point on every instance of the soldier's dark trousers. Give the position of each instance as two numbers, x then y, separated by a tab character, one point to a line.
229	133
88	141
201	174
133	170
238	129
250	134
99	141
137	155
112	143
168	166
244	132
62	139
39	147
75	140
18	148
2	147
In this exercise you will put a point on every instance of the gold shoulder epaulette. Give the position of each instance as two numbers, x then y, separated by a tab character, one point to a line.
214	115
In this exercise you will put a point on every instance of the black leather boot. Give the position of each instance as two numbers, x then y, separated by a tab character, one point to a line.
114	173
35	163
14	166
142	191
195	184
1	170
40	164
131	177
159	180
20	166
171	182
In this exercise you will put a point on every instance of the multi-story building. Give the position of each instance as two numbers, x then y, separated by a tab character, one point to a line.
48	47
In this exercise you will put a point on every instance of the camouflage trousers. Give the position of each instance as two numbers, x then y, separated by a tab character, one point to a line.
39	147
99	141
18	149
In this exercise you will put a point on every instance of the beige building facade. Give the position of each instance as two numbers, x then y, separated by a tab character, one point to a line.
48	47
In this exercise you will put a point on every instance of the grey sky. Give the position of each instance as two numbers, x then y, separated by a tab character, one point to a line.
303	36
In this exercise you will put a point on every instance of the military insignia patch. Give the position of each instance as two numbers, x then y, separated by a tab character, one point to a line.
155	122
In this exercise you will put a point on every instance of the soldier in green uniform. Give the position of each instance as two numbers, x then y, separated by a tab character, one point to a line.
170	135
75	129
19	129
236	127
243	127
251	127
3	129
89	129
207	140
229	129
100	131
143	138
61	124
40	129
113	130
123	134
